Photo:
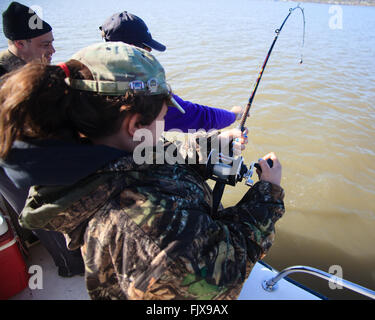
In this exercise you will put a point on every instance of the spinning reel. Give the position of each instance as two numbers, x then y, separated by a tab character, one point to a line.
228	170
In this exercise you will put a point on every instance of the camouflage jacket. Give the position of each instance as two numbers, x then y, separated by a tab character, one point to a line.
148	231
9	62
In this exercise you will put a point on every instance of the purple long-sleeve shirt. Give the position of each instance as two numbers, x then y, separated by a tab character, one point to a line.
197	117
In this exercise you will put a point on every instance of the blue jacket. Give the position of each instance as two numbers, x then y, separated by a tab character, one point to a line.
197	117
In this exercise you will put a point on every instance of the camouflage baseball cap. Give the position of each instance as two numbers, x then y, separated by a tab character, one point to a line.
118	68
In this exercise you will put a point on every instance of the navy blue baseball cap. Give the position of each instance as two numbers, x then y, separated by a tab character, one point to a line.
129	28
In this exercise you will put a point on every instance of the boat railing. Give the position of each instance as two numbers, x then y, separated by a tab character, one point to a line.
271	284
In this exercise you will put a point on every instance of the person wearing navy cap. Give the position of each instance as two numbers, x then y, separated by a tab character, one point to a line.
29	38
129	28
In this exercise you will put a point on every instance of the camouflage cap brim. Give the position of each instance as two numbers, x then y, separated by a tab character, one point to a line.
118	68
116	88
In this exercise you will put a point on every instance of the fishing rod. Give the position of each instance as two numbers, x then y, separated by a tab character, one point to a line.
227	169
277	31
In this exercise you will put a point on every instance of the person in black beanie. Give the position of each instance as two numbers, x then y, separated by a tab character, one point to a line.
29	38
131	29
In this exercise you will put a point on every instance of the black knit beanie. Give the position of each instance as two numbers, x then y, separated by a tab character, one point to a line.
21	23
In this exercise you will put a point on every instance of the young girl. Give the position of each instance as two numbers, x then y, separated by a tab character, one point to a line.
146	231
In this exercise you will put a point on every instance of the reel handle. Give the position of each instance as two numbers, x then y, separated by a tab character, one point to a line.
269	161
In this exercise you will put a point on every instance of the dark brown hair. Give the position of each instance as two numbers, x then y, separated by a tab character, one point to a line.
35	102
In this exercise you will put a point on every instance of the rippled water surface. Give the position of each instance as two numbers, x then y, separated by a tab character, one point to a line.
317	116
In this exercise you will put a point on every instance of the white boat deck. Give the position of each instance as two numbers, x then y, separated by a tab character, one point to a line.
54	286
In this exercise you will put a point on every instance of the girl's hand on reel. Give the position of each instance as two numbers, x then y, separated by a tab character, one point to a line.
269	173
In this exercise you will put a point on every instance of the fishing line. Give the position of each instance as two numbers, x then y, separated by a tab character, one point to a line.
303	34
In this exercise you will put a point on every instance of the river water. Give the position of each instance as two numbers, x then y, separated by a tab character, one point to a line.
318	117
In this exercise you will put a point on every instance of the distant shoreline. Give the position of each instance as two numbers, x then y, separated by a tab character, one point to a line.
367	3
